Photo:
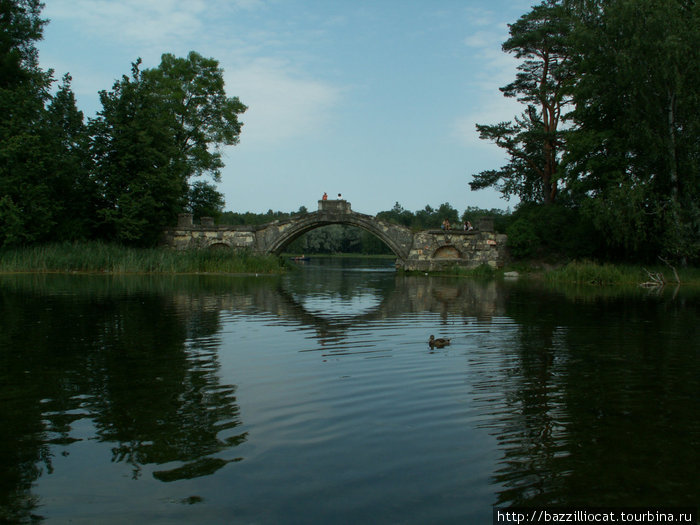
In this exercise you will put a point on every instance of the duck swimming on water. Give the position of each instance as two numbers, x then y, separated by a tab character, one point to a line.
439	342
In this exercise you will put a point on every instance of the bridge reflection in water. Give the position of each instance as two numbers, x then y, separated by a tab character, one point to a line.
327	315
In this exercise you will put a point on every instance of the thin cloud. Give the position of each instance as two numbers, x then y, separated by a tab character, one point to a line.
282	104
479	16
496	69
492	111
150	27
133	21
484	40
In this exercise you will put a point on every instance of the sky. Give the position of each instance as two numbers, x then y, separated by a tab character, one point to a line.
373	99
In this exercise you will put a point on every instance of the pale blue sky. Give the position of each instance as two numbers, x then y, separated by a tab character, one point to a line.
373	99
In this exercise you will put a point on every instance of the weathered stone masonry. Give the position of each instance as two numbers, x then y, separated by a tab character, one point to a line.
430	250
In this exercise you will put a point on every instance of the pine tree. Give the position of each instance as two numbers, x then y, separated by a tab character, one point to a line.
533	141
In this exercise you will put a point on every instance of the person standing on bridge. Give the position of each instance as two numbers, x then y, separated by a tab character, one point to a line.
325	196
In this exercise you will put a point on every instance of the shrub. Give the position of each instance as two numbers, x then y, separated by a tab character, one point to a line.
522	239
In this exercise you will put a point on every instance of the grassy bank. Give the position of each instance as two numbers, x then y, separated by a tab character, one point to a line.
483	271
586	272
97	257
593	273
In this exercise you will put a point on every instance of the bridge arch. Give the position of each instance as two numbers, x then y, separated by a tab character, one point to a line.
278	235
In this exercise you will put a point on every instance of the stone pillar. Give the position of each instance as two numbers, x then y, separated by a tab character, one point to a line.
485	224
334	206
184	220
207	222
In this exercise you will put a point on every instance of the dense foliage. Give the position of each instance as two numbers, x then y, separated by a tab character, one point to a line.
26	207
125	174
622	76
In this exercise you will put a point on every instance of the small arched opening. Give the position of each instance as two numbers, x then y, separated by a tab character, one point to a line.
219	246
447	252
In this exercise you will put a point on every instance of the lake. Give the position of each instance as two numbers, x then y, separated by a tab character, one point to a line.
314	397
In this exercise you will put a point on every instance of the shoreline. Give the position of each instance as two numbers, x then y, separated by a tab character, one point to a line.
97	258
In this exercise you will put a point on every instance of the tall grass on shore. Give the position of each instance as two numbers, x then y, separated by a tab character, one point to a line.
483	271
587	272
98	257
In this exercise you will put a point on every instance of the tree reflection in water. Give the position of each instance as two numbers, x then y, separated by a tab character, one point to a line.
596	412
125	360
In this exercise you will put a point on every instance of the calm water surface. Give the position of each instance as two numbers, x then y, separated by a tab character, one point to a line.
314	398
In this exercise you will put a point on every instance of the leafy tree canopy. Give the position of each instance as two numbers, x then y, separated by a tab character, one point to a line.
20	27
158	129
192	90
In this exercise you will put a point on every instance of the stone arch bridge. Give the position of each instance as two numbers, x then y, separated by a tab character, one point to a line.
429	250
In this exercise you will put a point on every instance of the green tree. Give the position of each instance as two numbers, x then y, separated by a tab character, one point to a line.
157	130
371	244
25	198
446	211
426	218
205	201
20	27
141	173
533	141
634	154
397	215
73	190
192	89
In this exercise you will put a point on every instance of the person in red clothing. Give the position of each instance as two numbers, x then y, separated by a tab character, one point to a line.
325	196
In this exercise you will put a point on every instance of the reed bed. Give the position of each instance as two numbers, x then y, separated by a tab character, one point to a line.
592	273
588	272
98	257
483	271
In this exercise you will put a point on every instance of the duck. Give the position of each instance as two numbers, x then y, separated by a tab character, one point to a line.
439	342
